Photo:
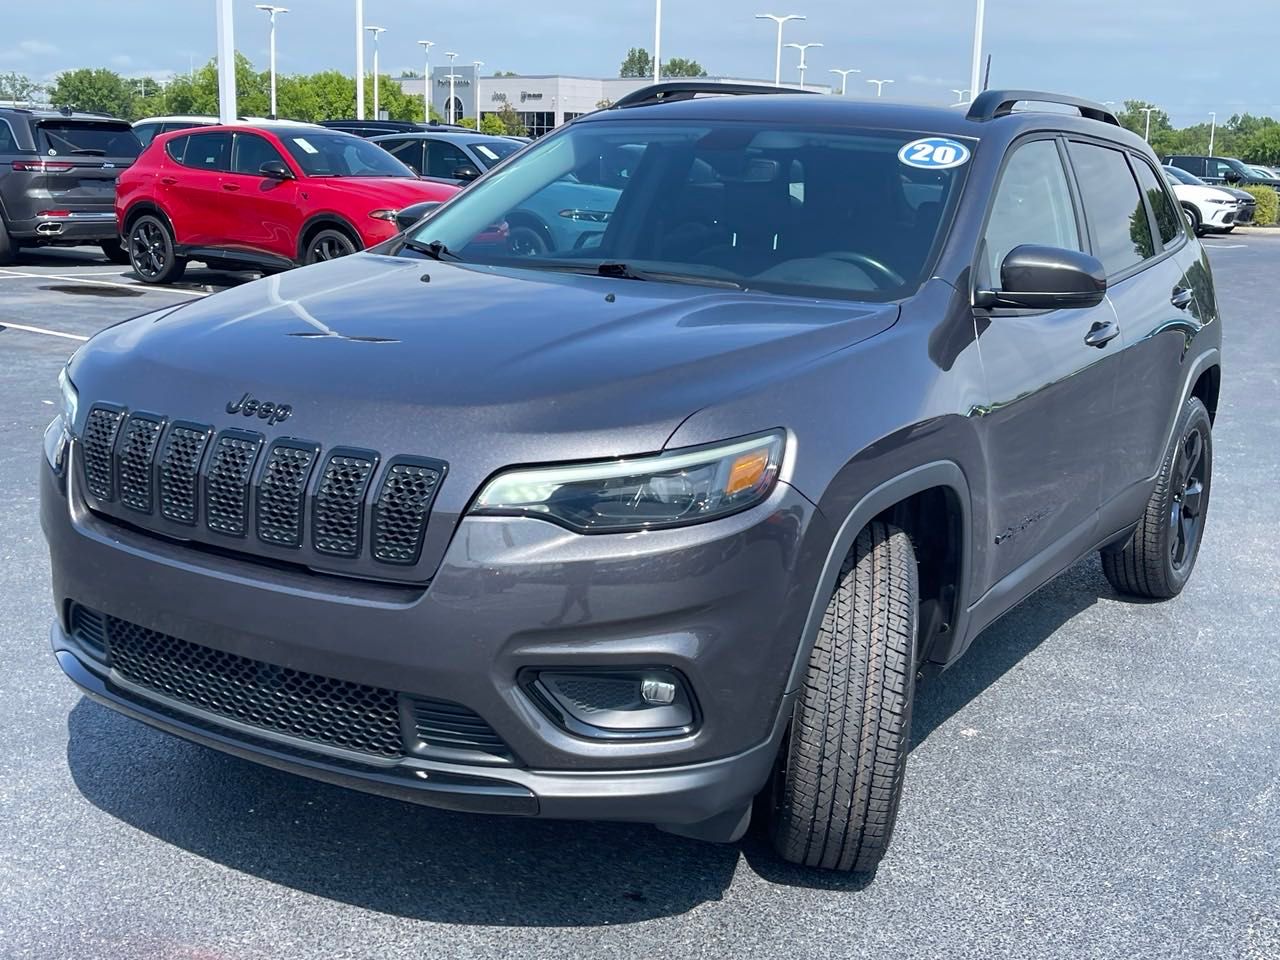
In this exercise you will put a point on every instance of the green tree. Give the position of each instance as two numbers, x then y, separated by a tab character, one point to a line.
18	88
1263	145
506	73
680	67
637	63
512	125
491	123
1133	118
94	91
468	122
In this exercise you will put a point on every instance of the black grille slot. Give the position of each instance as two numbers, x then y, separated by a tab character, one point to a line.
336	521
100	430
134	458
442	726
282	490
88	628
226	487
179	461
400	512
305	706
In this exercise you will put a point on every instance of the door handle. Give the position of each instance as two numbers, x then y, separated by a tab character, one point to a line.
1181	298
1101	333
231	187
168	181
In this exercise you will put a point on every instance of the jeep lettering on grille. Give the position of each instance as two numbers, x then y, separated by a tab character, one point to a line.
273	413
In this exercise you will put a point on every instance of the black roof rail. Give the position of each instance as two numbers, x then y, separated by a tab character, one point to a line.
991	104
673	90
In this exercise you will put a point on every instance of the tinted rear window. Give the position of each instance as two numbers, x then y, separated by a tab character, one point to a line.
87	139
208	151
1117	216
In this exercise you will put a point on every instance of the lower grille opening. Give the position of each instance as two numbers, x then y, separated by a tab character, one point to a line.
450	731
88	627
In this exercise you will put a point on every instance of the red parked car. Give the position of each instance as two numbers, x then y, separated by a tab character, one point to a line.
267	197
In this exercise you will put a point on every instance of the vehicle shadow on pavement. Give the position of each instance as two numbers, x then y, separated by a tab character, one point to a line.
420	863
380	854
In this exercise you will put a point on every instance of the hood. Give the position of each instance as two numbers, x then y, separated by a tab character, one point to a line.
477	366
1192	192
392	191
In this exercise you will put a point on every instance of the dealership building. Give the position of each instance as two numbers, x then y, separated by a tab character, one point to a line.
543	102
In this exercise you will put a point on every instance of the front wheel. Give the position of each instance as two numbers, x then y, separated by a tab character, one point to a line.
1194	221
329	244
152	253
1157	561
835	791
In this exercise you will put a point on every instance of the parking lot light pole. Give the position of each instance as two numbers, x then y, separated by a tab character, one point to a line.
879	85
1213	128
475	78
271	11
979	23
777	58
1148	111
375	31
802	47
448	108
226	63
426	46
359	59
844	78
657	42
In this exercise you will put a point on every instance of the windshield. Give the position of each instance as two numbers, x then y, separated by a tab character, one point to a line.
784	209
341	155
1183	177
491	151
88	139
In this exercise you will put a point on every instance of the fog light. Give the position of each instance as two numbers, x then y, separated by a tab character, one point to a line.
616	704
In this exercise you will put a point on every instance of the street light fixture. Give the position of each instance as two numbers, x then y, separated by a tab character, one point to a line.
271	11
375	31
844	78
426	46
777	60
452	77
879	85
1148	111
475	78
960	96
802	47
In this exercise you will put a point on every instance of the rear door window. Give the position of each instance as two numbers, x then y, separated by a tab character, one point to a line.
208	151
176	148
1168	220
87	138
408	151
146	132
1113	207
1032	205
443	158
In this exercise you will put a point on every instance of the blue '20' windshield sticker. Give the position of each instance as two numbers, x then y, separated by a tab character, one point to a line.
934	153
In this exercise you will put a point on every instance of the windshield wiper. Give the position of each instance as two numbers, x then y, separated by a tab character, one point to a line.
620	271
435	249
91	151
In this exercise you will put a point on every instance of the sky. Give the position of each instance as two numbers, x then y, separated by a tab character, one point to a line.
1168	52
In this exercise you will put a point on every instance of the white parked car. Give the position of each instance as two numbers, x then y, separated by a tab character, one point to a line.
1208	208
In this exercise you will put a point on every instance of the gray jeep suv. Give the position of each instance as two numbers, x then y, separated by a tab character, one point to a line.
665	521
58	173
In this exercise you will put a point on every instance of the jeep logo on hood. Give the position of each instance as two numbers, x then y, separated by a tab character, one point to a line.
273	413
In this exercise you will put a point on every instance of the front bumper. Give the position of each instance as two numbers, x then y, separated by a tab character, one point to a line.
87	226
721	603
1219	215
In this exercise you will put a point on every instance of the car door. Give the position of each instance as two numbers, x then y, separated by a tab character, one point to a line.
1216	170
264	214
1049	421
408	150
443	159
1153	275
196	201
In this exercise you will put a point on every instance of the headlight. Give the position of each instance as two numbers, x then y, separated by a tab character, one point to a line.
1216	200
384	215
69	399
671	489
58	434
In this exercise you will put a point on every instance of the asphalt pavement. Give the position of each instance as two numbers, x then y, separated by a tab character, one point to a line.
1096	779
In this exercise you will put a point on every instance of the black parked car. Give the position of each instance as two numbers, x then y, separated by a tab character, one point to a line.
452	156
1216	170
670	515
377	128
58	174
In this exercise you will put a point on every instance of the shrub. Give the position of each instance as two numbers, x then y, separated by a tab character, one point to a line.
1268	205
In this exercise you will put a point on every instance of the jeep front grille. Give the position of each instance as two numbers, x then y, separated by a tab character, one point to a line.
285	499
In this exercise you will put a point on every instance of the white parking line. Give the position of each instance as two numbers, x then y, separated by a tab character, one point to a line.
5	324
101	283
1226	246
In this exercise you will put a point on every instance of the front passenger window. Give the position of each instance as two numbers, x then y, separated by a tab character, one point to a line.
1032	205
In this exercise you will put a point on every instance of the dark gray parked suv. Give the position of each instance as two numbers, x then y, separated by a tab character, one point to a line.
668	521
58	174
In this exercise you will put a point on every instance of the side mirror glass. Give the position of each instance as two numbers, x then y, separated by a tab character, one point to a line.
275	170
1047	278
465	171
1231	176
410	215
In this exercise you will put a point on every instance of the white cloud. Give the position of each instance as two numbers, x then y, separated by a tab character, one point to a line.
27	49
121	60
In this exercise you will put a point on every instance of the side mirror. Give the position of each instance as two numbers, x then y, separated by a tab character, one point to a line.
1231	177
275	170
410	215
1047	278
465	171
